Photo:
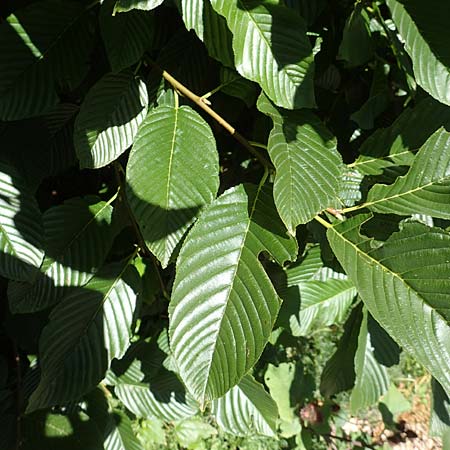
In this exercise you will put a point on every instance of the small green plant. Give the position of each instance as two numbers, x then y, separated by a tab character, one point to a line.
222	222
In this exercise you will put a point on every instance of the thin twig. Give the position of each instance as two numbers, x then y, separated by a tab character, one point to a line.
120	173
199	101
323	222
119	176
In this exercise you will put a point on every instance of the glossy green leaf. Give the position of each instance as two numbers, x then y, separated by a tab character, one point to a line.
223	304
86	330
424	28
425	189
148	389
405	285
396	144
319	304
21	231
308	165
120	435
129	5
172	174
78	236
109	119
126	36
246	409
271	47
33	49
371	378
210	27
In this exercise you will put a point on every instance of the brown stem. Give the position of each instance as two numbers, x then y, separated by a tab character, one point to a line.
199	101
119	176
118	169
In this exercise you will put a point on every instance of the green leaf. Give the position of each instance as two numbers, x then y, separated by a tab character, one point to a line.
129	5
78	236
210	27
185	57
172	174
318	304
280	379
371	378
440	411
236	86
378	101
246	409
424	28
71	431
223	304
271	48
86	330
356	47
151	432
192	433
126	36
119	433
20	227
61	154
308	165
425	189
145	385
405	285
109	119
396	144
392	404
308	9
339	372
33	46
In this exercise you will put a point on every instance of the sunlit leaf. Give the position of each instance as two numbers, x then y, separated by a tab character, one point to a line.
223	304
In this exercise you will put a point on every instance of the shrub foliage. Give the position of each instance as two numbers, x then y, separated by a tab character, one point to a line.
217	216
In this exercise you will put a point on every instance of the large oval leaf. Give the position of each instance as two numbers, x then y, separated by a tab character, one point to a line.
371	377
147	388
172	173
126	36
21	231
395	145
424	28
109	119
271	47
405	284
308	165
223	304
119	433
210	27
78	236
425	189
246	409
33	48
129	5
91	326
